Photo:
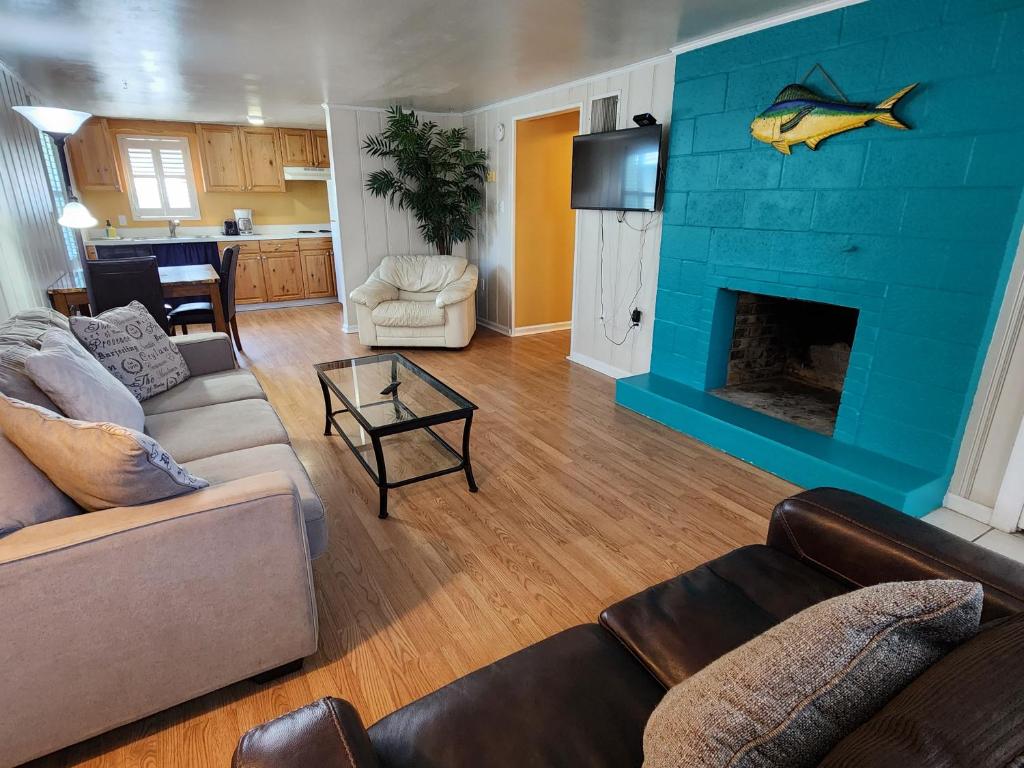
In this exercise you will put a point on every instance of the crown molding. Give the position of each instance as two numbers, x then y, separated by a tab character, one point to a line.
767	23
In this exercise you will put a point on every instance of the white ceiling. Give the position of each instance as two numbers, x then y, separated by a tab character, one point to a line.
215	60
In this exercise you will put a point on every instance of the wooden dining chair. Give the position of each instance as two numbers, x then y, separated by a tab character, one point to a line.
201	312
118	282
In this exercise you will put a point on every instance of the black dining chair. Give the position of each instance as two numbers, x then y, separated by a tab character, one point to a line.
201	312
118	282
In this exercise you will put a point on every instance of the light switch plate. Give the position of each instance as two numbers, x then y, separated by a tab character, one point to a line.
492	176
122	220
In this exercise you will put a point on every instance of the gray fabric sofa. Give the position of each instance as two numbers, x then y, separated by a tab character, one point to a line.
109	616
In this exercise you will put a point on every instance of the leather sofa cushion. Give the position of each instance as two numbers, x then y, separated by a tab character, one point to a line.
963	711
420	273
200	432
238	465
681	625
408	314
211	389
575	699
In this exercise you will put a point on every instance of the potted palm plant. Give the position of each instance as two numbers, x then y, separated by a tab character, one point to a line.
434	175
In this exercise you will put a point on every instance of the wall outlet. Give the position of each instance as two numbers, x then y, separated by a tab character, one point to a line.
492	176
635	316
122	220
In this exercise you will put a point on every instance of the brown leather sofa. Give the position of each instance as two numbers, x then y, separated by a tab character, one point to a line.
582	697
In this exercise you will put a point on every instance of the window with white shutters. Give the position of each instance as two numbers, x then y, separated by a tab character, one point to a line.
160	181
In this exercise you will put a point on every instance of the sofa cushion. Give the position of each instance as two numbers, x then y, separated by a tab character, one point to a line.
269	458
962	711
788	696
133	347
14	379
200	432
28	326
79	384
99	465
575	699
408	314
421	273
27	496
211	389
681	625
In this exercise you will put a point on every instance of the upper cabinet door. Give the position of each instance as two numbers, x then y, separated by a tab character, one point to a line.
93	160
296	146
220	151
261	153
321	154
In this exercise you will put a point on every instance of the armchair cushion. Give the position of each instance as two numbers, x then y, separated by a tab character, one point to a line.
461	289
421	273
408	314
373	292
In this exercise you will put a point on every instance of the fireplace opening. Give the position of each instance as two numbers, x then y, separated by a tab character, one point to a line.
788	359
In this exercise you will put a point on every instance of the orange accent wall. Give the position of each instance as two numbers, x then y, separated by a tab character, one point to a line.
302	202
545	224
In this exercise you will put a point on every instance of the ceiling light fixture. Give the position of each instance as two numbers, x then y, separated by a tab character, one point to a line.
58	124
255	120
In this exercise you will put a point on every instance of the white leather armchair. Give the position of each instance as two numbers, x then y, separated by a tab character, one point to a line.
417	301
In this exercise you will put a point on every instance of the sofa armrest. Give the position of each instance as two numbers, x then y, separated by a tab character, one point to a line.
373	292
863	542
327	733
206	352
132	610
461	289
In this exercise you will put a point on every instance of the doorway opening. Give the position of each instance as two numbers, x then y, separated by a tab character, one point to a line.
545	225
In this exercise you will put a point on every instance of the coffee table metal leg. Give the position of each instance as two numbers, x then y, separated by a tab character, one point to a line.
382	478
465	454
327	408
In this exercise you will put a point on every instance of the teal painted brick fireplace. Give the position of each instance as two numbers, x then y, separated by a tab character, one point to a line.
916	230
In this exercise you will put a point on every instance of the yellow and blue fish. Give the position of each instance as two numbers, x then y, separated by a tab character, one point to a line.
801	116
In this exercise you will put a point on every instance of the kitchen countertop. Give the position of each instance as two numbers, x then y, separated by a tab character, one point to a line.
209	234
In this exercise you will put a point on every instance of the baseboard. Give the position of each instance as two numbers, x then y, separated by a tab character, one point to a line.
286	304
346	328
598	365
529	330
502	329
968	508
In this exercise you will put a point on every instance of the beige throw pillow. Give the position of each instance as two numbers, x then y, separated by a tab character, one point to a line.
788	696
98	465
133	347
79	385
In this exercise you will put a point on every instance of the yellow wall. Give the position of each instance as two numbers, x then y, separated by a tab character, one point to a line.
302	202
545	224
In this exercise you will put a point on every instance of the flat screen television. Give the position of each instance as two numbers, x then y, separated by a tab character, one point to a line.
617	170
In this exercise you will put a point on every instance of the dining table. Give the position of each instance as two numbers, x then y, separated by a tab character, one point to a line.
69	295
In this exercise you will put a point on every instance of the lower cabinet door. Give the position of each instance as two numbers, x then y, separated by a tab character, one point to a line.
250	286
283	274
318	274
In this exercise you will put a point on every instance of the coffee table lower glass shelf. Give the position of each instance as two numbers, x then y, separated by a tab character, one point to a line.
390	408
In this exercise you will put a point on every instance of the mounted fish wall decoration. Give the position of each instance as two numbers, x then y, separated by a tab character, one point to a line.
802	116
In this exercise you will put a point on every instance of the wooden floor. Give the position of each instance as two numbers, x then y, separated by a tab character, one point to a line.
581	503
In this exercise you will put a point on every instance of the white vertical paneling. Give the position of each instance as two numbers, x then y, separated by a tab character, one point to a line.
32	253
645	88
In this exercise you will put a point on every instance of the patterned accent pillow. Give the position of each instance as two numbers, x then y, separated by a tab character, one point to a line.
133	347
788	696
99	465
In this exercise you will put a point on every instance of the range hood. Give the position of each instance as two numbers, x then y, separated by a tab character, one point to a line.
300	173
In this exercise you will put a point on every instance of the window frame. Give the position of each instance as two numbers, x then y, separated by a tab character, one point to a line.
124	141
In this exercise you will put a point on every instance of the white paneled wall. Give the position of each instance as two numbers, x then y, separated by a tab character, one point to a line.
368	228
644	88
32	251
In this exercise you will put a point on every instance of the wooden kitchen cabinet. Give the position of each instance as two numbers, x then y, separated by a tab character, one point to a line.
283	270
250	284
296	146
93	157
321	154
220	152
261	158
283	274
318	274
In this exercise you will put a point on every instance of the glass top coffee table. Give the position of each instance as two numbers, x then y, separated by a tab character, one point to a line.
390	406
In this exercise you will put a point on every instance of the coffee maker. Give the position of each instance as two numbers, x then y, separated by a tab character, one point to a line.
243	217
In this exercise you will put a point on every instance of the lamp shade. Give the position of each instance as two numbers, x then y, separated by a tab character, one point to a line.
54	120
76	216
